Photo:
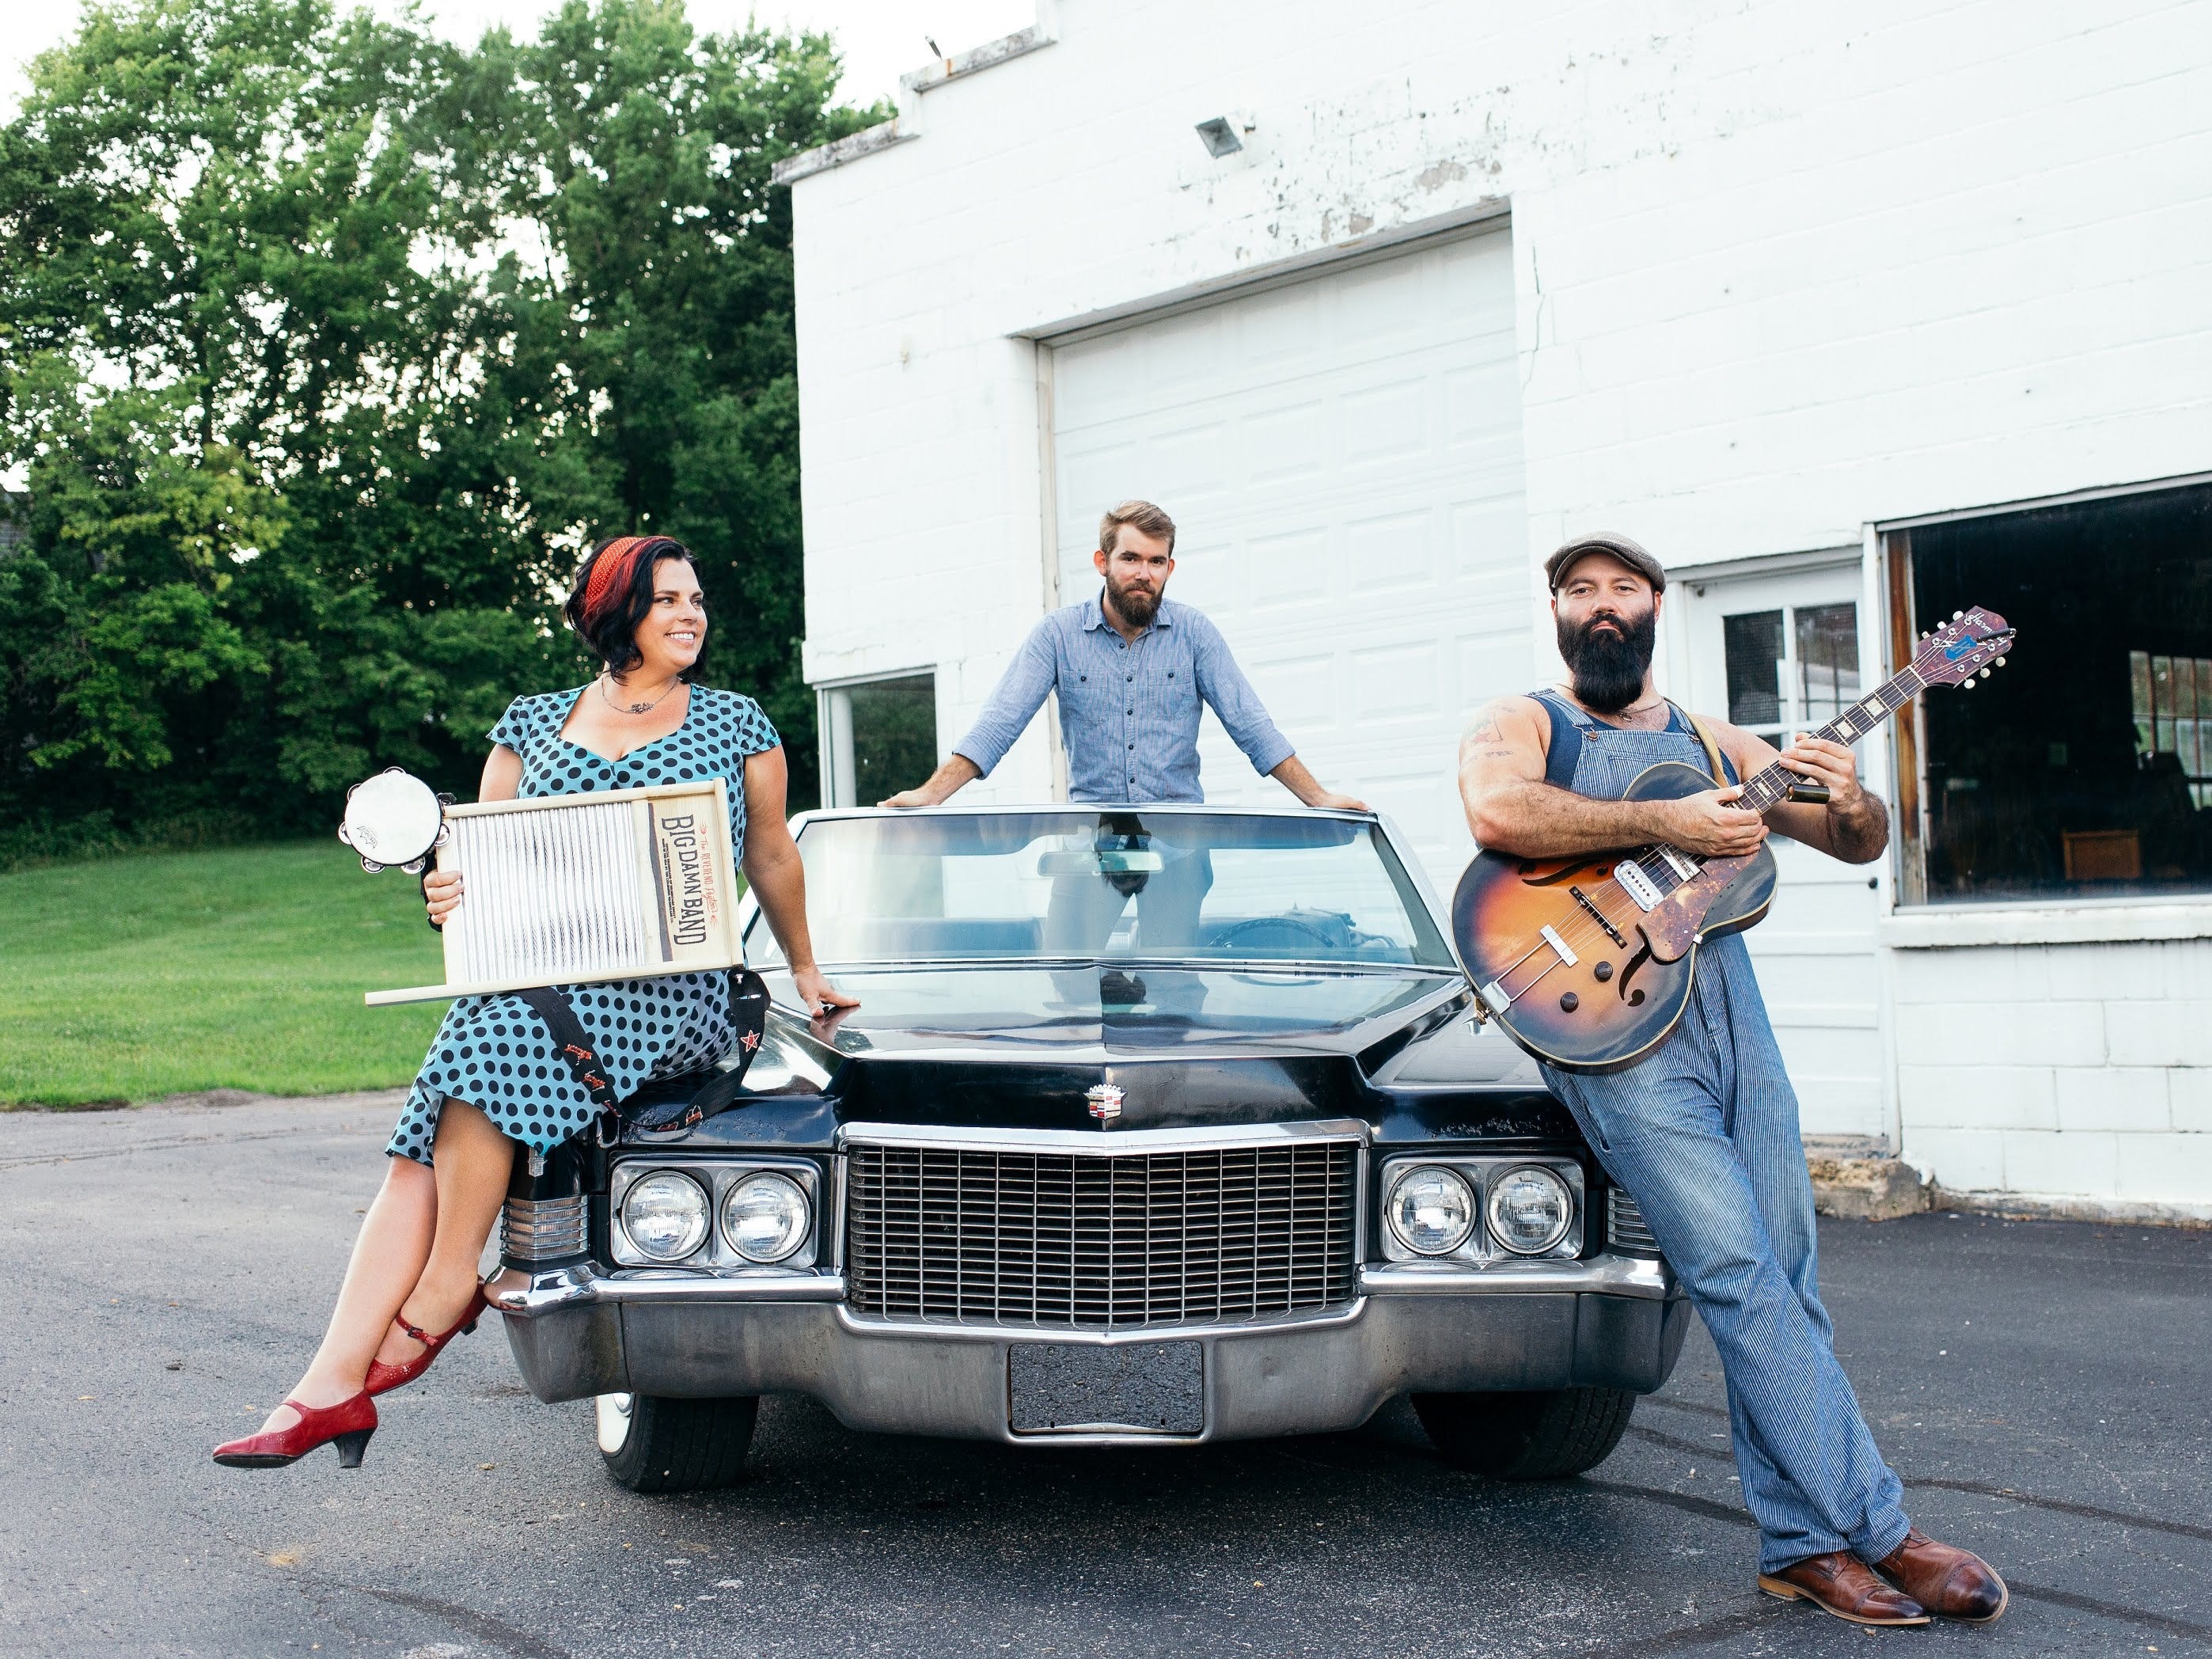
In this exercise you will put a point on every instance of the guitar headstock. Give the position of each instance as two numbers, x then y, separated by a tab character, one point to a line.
1972	642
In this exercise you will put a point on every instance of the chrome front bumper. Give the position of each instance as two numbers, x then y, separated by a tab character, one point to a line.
1611	1321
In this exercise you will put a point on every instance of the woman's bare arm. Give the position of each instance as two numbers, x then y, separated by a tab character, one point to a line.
779	879
502	777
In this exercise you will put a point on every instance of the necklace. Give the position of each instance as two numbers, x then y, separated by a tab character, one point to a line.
636	707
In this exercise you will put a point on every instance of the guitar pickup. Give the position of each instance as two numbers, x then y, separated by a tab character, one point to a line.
1637	885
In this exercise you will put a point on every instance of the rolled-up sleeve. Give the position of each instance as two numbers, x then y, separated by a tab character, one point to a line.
1234	702
1013	703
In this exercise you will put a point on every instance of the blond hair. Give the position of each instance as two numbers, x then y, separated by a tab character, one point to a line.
1140	516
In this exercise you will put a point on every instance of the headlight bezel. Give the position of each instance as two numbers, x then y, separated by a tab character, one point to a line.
1479	1171
717	1173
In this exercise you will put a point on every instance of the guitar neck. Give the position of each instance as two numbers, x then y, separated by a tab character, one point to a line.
1767	786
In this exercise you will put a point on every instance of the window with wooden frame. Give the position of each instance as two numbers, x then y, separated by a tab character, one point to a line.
2084	770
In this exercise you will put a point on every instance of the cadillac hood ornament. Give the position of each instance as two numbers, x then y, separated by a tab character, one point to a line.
1105	1100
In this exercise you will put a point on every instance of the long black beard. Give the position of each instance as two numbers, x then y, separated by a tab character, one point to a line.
1608	668
1137	609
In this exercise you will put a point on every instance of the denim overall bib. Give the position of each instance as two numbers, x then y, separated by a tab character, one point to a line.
1704	1133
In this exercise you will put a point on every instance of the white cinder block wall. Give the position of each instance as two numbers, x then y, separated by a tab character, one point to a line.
1783	271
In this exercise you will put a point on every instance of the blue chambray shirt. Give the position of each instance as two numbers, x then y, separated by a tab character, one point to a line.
1128	709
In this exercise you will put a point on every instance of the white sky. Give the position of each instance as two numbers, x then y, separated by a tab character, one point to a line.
882	39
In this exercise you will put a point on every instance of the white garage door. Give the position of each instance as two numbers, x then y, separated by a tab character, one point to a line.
1342	457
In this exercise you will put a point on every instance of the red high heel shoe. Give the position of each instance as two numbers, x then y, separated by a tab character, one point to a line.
383	1378
349	1423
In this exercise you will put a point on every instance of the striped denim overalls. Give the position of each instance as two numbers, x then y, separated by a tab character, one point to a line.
1704	1133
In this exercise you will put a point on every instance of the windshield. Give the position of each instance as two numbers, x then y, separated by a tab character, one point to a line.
1107	884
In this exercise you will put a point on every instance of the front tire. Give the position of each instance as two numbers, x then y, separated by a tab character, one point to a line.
655	1445
1545	1436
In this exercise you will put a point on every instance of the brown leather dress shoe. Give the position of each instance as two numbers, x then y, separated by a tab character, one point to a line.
1841	1583
1950	1582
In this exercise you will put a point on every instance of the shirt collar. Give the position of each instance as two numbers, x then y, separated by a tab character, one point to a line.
1095	617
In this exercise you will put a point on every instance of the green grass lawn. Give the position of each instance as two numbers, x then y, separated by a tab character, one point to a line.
243	967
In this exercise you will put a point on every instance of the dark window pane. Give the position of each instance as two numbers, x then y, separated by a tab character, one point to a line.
2082	768
1752	643
894	735
1828	662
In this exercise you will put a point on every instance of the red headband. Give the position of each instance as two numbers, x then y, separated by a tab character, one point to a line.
611	574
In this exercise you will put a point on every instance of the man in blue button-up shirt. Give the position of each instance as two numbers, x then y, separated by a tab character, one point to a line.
1131	668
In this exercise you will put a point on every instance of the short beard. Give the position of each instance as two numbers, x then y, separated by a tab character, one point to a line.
1608	669
1137	609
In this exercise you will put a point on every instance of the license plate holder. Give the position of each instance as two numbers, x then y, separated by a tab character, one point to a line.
1083	1388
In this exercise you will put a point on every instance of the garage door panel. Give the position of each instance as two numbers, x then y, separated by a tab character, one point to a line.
1392	552
1385	422
1285	443
1351	451
1375	303
1279	329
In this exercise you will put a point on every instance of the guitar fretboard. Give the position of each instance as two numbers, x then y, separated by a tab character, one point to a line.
1767	786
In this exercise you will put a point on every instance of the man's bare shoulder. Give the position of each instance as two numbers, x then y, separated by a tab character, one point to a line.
1503	713
1505	723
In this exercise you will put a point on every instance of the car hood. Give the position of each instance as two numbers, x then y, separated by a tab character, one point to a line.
1011	1012
1021	1047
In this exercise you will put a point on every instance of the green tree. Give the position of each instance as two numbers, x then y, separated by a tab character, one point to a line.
328	347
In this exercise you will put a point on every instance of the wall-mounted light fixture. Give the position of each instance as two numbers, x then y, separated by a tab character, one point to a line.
1224	134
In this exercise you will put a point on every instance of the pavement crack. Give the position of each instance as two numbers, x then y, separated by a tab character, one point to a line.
2115	1610
1976	1488
2119	1612
482	1626
1679	1500
2088	1511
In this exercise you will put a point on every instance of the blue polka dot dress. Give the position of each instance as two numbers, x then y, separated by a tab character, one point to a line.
492	1052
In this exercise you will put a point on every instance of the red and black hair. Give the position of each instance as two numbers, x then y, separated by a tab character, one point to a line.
614	594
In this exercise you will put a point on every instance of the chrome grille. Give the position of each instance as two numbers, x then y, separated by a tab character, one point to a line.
1075	1239
1625	1225
543	1228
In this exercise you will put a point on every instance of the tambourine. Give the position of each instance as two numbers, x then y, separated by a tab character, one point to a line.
394	818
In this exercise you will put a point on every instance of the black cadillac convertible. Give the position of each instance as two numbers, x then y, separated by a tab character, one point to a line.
1155	1124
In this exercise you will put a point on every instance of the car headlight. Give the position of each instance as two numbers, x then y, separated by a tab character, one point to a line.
1431	1210
1530	1209
764	1217
666	1215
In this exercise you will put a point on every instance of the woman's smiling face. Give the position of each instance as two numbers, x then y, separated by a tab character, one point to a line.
674	630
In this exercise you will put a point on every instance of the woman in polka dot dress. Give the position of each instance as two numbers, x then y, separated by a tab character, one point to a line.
491	1078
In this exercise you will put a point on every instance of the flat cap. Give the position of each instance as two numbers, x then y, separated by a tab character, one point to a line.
1620	547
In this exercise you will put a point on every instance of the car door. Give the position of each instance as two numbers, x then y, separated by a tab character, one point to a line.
1778	654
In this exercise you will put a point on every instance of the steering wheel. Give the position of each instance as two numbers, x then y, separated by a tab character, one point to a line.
1295	924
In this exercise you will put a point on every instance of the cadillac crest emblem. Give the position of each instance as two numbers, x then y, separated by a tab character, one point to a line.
1105	1100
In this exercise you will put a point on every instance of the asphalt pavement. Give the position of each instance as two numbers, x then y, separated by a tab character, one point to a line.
2043	1388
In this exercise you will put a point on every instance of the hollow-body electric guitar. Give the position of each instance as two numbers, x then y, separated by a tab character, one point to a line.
1587	961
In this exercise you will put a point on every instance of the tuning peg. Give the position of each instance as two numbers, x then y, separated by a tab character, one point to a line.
1986	673
1966	684
1958	615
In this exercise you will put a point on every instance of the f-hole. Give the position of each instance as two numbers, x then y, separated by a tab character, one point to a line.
1643	955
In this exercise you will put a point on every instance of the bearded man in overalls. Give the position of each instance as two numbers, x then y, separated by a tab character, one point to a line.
1702	1130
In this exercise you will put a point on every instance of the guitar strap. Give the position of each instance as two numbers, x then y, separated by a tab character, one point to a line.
1712	749
748	1012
